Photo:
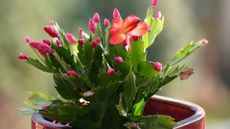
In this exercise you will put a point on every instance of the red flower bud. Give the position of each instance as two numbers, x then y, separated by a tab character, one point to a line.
112	31
92	26
81	41
97	39
48	42
118	59
72	73
45	108
186	73
94	44
106	22
134	125
56	41
116	13
158	15
27	39
134	37
154	4
51	29
96	17
111	71
204	42
43	48
70	38
157	66
23	57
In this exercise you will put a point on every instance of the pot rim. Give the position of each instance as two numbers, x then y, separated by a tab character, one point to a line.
199	113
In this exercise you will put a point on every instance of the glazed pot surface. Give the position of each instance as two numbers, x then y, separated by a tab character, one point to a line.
186	114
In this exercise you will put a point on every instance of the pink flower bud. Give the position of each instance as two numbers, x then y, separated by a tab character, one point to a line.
51	29
70	38
56	41
154	4
56	122
48	42
111	71
81	41
118	59
27	39
158	15
112	31
134	125
96	17
45	108
124	43
72	73
204	42
116	13
157	66
186	73
106	22
94	44
134	37
92	26
97	39
81	33
43	48
23	57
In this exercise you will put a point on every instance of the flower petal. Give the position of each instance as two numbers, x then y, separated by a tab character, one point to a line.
141	29
117	23
117	39
130	23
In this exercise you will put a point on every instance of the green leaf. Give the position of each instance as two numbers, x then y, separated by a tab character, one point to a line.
85	53
63	87
130	90
55	63
157	122
171	74
37	99
137	53
155	26
96	64
26	111
64	54
185	52
36	63
146	69
139	107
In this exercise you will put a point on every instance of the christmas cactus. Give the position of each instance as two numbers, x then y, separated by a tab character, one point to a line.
103	78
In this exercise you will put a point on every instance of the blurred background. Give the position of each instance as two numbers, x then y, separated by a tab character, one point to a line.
186	20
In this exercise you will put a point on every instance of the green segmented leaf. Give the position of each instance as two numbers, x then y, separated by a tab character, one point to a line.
155	28
36	63
185	52
157	122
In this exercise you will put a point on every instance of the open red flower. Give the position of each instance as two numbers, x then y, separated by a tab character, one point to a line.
123	30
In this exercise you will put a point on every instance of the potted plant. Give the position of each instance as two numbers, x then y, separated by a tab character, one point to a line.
104	80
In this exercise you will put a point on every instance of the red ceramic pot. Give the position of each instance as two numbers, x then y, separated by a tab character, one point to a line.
186	114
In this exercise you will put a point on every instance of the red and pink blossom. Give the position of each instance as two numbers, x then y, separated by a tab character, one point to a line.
154	4
106	22
96	17
70	38
116	13
92	26
43	48
158	15
72	73
157	66
51	29
27	39
118	59
23	57
111	71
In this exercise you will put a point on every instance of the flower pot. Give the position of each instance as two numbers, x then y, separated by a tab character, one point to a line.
186	114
